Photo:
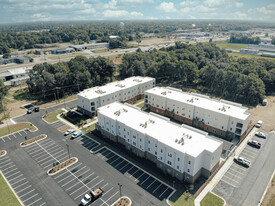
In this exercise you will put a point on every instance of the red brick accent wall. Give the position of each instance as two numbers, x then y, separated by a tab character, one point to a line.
211	130
215	167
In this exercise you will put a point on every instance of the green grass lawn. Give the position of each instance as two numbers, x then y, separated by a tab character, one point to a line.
186	199
211	200
140	105
51	117
14	128
7	198
88	129
232	46
249	56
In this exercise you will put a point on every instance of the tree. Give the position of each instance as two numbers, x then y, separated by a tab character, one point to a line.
3	93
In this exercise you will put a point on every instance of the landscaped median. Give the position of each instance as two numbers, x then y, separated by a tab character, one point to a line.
33	140
123	201
52	116
15	128
62	166
3	153
211	199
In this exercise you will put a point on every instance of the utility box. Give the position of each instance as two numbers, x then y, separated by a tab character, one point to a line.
264	102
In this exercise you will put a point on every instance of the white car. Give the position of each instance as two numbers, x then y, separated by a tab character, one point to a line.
259	123
86	200
261	134
69	131
242	161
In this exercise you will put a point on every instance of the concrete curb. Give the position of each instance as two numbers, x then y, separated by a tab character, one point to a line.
224	202
3	154
120	198
268	186
48	172
11	188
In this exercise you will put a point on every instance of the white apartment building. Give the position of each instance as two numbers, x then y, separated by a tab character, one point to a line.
182	151
218	117
127	90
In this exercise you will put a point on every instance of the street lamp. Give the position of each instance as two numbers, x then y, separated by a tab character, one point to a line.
119	185
68	151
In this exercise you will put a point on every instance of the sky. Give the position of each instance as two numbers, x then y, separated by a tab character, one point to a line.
12	11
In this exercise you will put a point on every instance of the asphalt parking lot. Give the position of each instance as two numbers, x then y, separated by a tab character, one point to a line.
239	180
87	142
57	124
147	182
21	134
21	185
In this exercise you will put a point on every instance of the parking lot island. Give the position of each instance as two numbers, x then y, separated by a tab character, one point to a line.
33	140
62	166
123	201
3	153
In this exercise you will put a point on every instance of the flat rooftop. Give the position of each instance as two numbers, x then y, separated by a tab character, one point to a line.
112	87
220	106
179	137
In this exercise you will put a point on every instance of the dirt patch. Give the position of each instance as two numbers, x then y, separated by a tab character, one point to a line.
62	166
33	140
117	59
265	113
63	128
123	201
269	199
151	41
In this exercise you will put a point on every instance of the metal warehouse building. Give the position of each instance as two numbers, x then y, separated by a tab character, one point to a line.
127	90
221	118
179	150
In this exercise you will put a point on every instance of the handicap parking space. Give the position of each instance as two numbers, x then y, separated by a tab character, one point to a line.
142	178
87	142
17	135
57	124
46	152
24	190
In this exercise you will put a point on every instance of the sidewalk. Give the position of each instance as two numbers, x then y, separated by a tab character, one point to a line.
224	168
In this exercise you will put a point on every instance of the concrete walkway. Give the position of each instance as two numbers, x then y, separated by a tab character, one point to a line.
90	123
224	168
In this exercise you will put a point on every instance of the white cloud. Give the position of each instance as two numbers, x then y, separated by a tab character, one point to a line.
188	3
137	1
238	4
263	13
167	7
121	13
111	5
214	3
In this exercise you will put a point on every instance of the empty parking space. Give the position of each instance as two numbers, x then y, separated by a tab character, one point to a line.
146	181
87	142
57	124
47	152
25	191
17	135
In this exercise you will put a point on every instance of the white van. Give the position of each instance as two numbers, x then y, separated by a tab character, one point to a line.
259	123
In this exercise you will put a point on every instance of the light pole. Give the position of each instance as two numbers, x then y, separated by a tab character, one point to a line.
119	185
68	151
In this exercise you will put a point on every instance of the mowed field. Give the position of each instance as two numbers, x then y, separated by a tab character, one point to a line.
232	46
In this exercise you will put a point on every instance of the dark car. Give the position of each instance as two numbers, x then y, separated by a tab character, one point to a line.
36	109
30	110
254	143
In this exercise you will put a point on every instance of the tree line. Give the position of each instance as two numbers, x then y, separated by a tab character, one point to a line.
244	39
206	68
49	81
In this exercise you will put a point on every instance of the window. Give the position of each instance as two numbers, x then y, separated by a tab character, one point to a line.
188	170
127	139
133	136
134	143
140	147
178	159
222	127
178	167
189	162
169	163
118	127
160	158
156	153
140	140
161	151
155	145
148	141
124	129
149	149
128	133
169	154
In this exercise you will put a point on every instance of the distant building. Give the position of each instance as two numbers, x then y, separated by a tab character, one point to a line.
17	60
220	118
129	89
93	46
181	151
249	51
62	51
272	55
15	77
113	37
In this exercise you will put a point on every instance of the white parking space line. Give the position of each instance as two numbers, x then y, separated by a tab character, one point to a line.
27	193
6	165
16	177
105	151
10	171
3	139
85	191
32	154
228	183
23	189
114	160
64	178
12	175
163	192
236	171
73	185
25	131
124	166
17	181
30	197
51	159
14	136
109	198
151	184
65	153
42	204
2	163
129	169
119	163
145	180
20	134
140	176
5	157
239	167
35	201
248	154
9	138
134	173
230	179
104	185
111	157
157	188
234	176
97	183
20	185
77	189
68	182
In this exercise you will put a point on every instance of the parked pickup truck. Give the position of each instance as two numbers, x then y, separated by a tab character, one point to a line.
89	198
